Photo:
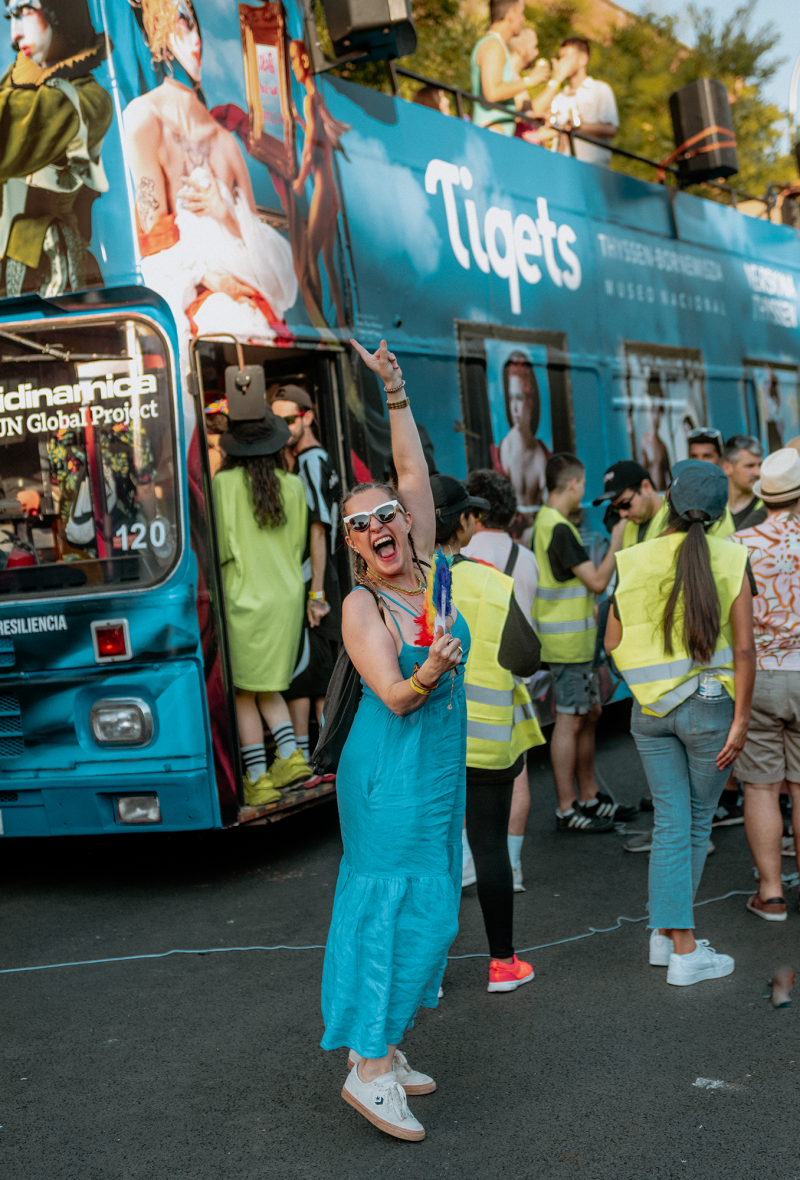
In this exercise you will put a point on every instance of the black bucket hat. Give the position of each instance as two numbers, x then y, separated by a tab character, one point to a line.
269	435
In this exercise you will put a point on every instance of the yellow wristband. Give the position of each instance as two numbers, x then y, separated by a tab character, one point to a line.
317	595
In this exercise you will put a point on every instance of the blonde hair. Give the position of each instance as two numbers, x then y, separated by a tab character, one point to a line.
159	18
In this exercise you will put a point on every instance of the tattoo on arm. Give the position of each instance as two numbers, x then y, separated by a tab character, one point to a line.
146	202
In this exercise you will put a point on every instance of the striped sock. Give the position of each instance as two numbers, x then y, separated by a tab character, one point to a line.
255	760
302	745
285	740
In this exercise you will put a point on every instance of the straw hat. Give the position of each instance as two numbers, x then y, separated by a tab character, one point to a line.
780	477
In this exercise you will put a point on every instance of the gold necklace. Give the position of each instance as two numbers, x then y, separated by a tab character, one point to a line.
400	589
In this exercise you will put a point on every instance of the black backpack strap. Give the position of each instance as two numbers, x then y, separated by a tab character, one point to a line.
512	559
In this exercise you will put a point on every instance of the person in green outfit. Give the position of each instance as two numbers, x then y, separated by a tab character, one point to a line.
492	74
53	117
262	520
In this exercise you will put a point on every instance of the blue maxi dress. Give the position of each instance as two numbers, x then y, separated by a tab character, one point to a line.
401	788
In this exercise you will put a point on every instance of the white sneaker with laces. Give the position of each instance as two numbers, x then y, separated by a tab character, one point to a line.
702	963
661	948
383	1102
517	871
468	875
412	1081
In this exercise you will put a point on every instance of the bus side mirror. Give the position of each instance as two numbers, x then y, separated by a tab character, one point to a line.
376	30
245	390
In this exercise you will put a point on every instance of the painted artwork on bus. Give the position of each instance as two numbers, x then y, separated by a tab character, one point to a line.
776	394
519	396
662	396
51	180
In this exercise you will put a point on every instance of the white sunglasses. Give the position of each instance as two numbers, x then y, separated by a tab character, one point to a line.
384	513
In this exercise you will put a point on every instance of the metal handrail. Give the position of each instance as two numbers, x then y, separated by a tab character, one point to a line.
460	95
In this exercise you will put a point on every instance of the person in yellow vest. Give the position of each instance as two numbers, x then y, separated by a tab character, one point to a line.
501	723
680	630
564	619
741	462
629	490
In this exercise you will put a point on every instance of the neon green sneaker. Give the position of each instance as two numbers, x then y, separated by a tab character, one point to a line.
294	769
261	792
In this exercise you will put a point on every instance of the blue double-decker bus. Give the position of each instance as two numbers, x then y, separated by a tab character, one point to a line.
183	195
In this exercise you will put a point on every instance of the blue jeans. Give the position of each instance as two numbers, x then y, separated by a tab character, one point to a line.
679	752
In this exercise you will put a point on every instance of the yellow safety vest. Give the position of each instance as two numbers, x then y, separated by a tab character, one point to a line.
562	612
501	722
658	522
645	576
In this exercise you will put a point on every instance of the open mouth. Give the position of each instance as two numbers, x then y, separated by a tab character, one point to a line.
385	547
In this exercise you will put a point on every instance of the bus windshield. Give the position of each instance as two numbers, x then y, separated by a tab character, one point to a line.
88	498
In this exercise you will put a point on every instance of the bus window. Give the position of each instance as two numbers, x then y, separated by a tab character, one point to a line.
87	458
516	400
775	387
660	396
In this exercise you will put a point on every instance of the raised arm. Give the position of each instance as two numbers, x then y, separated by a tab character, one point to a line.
413	480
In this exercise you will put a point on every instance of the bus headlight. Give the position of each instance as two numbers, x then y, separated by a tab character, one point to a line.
138	809
121	721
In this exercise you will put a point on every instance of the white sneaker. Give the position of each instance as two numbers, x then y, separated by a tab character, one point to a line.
702	963
468	875
410	1079
661	948
441	992
383	1102
517	871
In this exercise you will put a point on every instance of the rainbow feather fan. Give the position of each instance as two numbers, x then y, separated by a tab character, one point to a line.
438	602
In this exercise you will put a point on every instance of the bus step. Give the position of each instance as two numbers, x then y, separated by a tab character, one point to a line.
293	799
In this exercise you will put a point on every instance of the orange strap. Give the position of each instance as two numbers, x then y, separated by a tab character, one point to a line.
728	142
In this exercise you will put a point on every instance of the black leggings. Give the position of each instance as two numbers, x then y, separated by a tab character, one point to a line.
488	809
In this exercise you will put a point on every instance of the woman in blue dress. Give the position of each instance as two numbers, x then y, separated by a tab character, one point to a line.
400	786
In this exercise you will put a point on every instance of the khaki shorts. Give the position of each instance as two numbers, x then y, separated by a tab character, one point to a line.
772	749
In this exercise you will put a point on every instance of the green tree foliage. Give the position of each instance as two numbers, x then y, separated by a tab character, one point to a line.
644	62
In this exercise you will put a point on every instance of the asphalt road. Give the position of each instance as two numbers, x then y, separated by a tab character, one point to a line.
198	1067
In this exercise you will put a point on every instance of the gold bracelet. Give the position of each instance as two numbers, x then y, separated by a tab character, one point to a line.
398	405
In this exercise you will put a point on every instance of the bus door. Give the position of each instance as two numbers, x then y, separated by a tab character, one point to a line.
771	397
320	375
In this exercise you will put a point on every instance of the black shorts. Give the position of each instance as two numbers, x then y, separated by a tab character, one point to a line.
313	680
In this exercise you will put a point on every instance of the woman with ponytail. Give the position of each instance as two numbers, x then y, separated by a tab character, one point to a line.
680	630
400	784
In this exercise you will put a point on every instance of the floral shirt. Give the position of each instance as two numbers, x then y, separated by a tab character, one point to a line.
775	560
66	453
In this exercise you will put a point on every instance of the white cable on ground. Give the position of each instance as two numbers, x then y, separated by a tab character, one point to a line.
218	950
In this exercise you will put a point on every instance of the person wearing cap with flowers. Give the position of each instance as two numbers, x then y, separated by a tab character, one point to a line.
322	634
771	755
261	518
680	630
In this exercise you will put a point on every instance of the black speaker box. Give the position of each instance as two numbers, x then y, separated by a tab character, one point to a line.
696	108
382	29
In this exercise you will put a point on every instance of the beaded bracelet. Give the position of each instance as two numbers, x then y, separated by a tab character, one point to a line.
394	388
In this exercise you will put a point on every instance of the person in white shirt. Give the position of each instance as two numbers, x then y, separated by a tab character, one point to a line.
493	545
585	104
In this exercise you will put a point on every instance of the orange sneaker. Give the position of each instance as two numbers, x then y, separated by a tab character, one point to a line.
507	977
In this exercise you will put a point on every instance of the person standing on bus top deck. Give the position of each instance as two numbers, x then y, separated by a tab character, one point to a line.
741	462
323	632
400	785
563	617
680	629
501	722
261	519
770	760
585	104
53	118
433	97
492	74
491	543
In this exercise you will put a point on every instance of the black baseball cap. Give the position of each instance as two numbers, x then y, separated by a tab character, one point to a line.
451	498
619	477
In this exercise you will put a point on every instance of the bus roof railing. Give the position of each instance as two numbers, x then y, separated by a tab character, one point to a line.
736	193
